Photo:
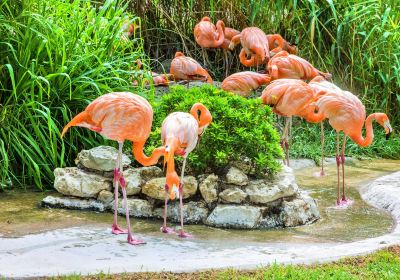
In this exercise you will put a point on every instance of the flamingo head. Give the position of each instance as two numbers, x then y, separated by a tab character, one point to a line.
172	185
383	120
178	54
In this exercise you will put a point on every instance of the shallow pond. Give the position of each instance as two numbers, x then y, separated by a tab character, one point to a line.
20	213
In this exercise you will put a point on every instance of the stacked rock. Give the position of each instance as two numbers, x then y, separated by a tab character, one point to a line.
229	200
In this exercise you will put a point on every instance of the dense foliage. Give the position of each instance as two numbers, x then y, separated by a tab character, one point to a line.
56	56
355	40
240	128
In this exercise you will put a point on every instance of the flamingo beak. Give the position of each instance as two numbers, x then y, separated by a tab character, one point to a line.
388	129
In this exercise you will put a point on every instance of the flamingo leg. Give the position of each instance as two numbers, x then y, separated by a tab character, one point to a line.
203	52
284	141
182	233
338	164
322	148
164	228
131	240
342	161
226	63
115	229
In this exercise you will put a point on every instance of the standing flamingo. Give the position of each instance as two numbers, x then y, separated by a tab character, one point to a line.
285	65
180	134
243	83
208	35
346	113
186	68
254	44
276	44
229	34
120	116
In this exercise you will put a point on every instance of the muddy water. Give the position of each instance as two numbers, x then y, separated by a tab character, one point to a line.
20	213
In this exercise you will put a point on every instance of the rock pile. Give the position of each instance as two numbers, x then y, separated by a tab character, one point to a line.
231	200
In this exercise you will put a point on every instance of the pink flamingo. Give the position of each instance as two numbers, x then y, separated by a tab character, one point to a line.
180	134
346	113
120	116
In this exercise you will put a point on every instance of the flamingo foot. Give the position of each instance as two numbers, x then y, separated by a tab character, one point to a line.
344	203
134	241
184	234
167	230
319	174
115	229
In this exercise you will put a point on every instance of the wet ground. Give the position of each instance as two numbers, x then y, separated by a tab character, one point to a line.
52	241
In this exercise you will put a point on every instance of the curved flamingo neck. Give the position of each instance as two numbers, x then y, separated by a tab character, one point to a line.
142	158
205	116
221	33
357	136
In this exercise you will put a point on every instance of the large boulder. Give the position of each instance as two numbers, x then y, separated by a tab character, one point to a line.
194	212
233	195
73	203
300	211
76	182
237	177
155	188
150	172
264	191
138	208
235	216
209	188
102	158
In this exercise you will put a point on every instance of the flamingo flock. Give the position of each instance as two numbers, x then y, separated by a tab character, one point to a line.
294	87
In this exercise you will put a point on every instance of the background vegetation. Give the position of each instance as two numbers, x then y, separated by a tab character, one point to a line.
57	56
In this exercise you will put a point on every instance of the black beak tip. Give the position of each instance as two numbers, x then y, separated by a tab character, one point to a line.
388	136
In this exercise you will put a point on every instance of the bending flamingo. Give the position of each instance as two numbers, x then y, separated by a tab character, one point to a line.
208	35
243	83
285	65
186	68
254	44
180	134
276	44
288	97
120	116
346	113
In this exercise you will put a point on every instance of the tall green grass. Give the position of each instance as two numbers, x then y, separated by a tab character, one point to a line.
358	41
55	57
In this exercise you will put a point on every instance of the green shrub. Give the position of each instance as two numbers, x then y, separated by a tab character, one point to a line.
240	128
55	57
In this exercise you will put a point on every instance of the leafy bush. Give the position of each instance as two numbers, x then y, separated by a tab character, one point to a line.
56	56
240	128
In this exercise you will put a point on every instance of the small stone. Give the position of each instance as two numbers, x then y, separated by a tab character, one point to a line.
138	208
133	181
234	195
76	182
208	188
155	188
106	197
236	177
300	211
73	203
102	158
235	216
194	212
